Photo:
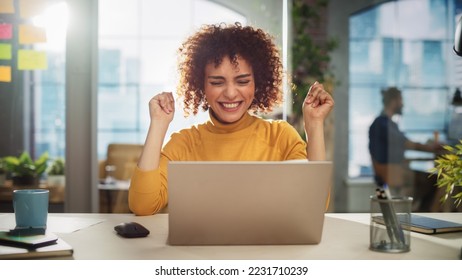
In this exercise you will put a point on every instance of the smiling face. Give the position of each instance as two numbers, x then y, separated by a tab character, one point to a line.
229	89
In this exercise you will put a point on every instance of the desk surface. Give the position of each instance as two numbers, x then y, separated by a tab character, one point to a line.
345	236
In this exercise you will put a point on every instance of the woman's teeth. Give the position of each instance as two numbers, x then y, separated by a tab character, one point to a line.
230	105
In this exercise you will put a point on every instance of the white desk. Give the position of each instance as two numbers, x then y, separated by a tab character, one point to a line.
345	236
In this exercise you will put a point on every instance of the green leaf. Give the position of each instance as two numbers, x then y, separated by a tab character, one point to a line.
449	148
25	158
12	161
458	196
42	159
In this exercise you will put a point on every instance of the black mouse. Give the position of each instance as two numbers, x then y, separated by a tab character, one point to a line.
131	230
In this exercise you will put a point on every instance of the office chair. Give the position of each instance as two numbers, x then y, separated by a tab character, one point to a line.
122	159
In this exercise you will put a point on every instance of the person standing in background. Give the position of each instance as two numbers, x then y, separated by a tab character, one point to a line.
387	144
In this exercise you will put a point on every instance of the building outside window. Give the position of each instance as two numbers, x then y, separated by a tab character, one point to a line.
45	89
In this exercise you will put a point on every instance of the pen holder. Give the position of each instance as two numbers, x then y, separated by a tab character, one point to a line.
389	227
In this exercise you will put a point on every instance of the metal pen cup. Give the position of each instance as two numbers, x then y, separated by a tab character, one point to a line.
390	224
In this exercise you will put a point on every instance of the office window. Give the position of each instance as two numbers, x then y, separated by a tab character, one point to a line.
138	40
46	88
407	44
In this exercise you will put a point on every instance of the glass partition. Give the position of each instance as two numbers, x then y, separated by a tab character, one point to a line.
405	44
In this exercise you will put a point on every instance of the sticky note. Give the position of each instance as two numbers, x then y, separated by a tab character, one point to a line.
31	8
6	31
5	51
6	7
29	34
32	60
5	74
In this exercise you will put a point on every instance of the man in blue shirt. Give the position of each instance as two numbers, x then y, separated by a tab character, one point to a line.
387	143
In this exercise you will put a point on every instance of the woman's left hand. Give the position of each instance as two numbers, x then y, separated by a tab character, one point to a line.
318	103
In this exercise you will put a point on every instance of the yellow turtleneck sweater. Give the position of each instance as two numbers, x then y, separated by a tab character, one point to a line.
249	139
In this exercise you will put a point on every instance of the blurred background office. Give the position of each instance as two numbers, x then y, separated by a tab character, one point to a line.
105	59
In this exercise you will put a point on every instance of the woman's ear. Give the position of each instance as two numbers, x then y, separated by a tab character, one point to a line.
457	38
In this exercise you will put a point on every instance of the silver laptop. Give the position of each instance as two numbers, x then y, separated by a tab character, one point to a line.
247	203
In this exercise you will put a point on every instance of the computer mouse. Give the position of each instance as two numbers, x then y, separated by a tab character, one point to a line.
131	230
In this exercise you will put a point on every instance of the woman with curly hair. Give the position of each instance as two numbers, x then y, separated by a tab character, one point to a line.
231	71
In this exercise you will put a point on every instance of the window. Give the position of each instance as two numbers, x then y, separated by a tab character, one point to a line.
407	44
46	88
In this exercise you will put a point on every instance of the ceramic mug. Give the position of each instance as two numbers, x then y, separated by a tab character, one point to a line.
31	208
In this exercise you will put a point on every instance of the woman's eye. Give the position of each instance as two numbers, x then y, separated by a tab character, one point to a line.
243	82
216	83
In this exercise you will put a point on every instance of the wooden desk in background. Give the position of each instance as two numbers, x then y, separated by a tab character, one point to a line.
113	198
425	192
424	184
56	198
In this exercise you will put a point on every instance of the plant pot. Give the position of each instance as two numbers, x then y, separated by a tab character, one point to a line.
56	180
25	181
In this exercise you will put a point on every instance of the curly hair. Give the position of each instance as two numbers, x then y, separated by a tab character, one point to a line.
211	44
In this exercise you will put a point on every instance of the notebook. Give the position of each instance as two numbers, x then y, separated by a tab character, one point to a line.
247	203
28	241
427	225
30	247
431	225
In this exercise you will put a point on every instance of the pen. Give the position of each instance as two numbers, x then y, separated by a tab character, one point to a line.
386	189
389	215
381	195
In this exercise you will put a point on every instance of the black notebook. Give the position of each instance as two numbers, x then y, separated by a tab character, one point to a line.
431	225
29	247
426	225
27	241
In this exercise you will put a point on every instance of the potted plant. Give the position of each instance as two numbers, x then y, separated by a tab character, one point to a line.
56	173
448	169
24	171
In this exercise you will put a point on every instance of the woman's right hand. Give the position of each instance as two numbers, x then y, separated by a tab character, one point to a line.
161	111
162	107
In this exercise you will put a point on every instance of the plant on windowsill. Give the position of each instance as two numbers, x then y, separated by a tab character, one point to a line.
24	171
56	173
448	169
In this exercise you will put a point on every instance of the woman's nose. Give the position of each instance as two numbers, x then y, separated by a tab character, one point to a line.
230	92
